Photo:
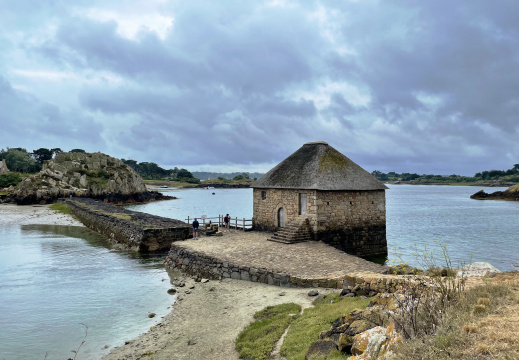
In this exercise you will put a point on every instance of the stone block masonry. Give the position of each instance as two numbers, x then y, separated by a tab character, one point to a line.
201	265
352	221
250	257
129	229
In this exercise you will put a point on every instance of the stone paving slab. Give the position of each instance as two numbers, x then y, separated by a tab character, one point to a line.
310	259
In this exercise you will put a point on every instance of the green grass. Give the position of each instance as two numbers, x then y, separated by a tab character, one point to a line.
62	208
306	329
258	340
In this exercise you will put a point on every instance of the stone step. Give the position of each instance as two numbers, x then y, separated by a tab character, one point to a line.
284	241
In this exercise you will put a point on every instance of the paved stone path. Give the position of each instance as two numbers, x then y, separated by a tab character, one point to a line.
310	259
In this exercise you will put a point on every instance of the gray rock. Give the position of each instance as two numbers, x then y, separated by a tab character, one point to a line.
320	348
313	293
478	269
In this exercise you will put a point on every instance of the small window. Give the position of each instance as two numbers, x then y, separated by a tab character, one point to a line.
263	195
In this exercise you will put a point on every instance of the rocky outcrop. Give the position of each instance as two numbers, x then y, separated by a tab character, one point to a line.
512	193
94	175
3	167
376	343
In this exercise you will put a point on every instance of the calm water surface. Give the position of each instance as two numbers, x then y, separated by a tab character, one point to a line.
54	277
422	215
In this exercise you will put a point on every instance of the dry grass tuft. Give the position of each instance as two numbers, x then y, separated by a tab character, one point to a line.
484	301
483	349
469	329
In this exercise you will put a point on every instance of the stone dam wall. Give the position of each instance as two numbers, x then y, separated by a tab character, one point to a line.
201	265
127	229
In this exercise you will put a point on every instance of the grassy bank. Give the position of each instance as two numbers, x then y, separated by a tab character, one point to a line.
483	323
258	340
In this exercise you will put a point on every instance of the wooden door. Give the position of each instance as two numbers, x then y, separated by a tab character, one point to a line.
281	217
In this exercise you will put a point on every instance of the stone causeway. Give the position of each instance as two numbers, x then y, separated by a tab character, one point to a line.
249	256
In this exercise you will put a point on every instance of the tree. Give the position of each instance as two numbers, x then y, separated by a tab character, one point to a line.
56	151
183	173
41	155
77	151
21	161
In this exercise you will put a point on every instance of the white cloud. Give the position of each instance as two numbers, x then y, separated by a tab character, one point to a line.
131	21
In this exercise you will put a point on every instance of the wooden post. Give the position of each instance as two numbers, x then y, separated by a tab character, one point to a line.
188	219
243	224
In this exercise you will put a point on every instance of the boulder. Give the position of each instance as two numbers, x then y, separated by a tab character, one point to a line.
321	348
355	328
375	343
478	269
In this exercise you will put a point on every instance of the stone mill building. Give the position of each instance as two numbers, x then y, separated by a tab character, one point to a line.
320	194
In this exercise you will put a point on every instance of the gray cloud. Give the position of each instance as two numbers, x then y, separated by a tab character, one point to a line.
398	85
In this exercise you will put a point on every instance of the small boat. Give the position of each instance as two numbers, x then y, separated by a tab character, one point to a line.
163	187
210	187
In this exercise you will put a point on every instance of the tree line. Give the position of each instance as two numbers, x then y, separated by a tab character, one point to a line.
152	171
510	175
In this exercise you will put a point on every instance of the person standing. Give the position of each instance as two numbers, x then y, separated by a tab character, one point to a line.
226	220
195	229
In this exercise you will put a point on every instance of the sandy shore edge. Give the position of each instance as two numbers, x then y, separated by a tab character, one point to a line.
34	215
207	318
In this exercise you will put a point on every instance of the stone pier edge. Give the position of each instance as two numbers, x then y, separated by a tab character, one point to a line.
198	264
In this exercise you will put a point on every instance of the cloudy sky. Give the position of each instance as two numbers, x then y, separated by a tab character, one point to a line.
406	86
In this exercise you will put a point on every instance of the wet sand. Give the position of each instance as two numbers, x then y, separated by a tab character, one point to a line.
34	215
206	320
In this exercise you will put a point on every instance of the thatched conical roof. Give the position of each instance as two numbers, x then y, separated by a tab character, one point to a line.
318	166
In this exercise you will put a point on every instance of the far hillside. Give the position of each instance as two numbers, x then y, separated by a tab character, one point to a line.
488	178
202	175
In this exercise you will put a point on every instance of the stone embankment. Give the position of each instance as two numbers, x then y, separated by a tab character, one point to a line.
249	256
129	229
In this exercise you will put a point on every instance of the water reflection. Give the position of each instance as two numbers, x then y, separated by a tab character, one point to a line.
54	277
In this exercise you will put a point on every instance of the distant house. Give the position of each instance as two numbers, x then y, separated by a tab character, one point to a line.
341	203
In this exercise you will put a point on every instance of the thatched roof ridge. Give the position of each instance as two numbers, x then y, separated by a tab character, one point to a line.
318	166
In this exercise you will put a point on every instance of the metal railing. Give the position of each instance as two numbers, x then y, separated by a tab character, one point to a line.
234	223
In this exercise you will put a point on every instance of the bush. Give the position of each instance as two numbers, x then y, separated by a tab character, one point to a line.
9	179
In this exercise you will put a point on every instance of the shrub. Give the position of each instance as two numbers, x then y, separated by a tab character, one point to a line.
11	178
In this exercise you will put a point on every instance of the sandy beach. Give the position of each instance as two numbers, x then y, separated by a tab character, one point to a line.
205	320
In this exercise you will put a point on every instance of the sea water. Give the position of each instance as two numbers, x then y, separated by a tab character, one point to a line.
60	285
53	279
417	217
